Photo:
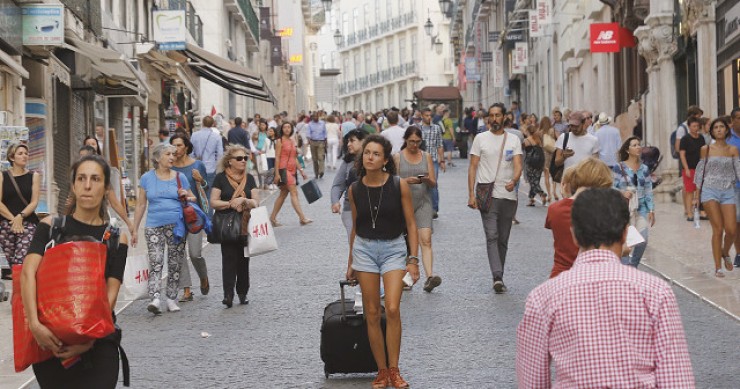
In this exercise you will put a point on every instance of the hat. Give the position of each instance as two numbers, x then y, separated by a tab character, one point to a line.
604	119
575	119
557	109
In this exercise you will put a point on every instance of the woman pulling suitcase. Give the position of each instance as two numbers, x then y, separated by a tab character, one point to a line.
381	210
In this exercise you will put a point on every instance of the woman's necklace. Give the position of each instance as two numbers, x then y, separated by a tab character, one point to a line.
377	207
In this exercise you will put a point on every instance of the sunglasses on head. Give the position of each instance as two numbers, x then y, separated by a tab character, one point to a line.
241	158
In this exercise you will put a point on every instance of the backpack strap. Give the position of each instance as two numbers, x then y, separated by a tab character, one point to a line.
57	230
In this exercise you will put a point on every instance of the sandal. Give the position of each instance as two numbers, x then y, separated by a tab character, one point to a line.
186	297
306	221
395	380
275	223
381	380
728	263
719	273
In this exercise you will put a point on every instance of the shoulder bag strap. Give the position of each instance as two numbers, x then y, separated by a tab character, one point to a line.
500	156
17	189
704	173
624	175
205	146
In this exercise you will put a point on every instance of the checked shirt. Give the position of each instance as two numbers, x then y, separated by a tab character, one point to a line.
602	325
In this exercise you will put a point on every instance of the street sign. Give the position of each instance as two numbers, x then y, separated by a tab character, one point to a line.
494	36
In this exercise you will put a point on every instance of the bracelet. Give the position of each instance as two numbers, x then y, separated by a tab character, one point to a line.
412	260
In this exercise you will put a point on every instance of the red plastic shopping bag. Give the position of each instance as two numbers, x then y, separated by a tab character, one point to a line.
71	298
71	292
25	349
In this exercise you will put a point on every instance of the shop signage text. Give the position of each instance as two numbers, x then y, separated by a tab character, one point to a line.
732	23
610	38
43	24
170	31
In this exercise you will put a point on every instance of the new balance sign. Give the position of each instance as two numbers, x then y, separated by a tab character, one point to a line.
610	38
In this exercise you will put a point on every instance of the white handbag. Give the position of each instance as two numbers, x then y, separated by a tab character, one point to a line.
135	278
261	233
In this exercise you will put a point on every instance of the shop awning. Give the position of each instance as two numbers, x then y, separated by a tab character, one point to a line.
13	64
110	63
227	74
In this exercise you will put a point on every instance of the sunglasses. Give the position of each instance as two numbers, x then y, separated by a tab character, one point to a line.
241	158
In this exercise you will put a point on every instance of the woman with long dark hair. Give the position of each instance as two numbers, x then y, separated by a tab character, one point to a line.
286	177
195	171
346	176
416	167
381	209
716	174
87	217
632	178
93	142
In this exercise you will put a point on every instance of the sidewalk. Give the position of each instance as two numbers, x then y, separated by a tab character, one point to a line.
9	379
683	255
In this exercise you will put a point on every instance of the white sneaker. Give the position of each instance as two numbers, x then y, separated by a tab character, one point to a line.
154	307
172	306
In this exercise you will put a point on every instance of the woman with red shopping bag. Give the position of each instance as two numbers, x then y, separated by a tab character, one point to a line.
94	363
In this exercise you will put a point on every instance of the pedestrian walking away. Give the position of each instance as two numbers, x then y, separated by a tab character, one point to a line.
287	165
589	173
19	197
716	174
234	190
534	163
158	191
602	324
548	146
207	147
417	169
94	363
632	178
381	209
195	171
333	133
494	171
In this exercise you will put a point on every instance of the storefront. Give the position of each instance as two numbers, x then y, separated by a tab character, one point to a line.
11	69
728	55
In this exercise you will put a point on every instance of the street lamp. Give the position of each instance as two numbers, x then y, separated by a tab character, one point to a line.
338	37
327	5
445	6
438	45
428	27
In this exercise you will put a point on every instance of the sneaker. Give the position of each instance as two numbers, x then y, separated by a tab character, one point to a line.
435	216
154	307
431	283
172	306
499	287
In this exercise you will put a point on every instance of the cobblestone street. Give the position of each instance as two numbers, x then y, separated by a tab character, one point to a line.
461	335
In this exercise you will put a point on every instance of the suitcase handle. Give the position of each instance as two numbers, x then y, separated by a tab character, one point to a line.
342	284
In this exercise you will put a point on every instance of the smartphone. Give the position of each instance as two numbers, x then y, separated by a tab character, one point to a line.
420	176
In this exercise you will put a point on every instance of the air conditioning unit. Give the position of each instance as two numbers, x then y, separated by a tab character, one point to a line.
4	118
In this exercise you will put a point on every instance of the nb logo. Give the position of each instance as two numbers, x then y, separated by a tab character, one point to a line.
605	35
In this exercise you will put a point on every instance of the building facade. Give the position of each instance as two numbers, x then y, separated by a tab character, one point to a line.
386	54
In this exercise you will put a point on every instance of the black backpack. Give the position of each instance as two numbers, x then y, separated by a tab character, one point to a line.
535	157
674	152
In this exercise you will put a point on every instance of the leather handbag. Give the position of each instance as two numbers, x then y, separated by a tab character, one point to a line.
556	171
193	221
227	227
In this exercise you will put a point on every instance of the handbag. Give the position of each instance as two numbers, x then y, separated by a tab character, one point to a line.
312	191
135	278
556	172
632	202
193	221
548	143
17	189
484	191
227	225
261	233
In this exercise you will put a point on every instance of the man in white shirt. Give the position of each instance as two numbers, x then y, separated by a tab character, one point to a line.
496	157
394	133
610	140
580	145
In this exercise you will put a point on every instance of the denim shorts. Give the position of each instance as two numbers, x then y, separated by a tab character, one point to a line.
379	256
737	203
448	144
722	196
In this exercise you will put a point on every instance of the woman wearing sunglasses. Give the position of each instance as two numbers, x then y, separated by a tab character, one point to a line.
632	178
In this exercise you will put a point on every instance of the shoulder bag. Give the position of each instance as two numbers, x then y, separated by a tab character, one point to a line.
556	172
193	221
227	224
17	189
484	191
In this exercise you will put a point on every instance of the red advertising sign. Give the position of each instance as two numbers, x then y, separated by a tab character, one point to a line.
610	38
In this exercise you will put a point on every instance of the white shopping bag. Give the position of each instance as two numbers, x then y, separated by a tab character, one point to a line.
135	278
261	234
262	163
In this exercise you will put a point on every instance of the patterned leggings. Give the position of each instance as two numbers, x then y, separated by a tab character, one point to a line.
15	246
533	178
157	238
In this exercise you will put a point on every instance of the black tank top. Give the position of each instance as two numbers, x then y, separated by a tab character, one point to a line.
10	195
389	223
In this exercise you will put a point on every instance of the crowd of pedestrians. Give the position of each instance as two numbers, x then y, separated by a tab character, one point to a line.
386	169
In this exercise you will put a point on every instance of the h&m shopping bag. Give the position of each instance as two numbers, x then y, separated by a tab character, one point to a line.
135	278
261	233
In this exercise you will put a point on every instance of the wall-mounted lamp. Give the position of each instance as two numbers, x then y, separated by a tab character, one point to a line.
429	29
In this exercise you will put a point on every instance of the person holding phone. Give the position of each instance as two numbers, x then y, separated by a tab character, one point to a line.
579	144
417	169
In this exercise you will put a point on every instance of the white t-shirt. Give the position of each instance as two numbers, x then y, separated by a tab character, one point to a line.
394	134
584	146
487	146
332	131
681	130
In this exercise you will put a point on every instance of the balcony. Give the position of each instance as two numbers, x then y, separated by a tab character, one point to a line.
381	29
373	80
245	9
194	24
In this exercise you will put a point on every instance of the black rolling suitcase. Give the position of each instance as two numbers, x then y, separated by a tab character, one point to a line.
344	344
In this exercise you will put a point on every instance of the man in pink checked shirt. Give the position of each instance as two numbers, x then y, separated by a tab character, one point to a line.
602	324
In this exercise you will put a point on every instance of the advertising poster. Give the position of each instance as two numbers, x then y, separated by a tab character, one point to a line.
170	31
43	24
